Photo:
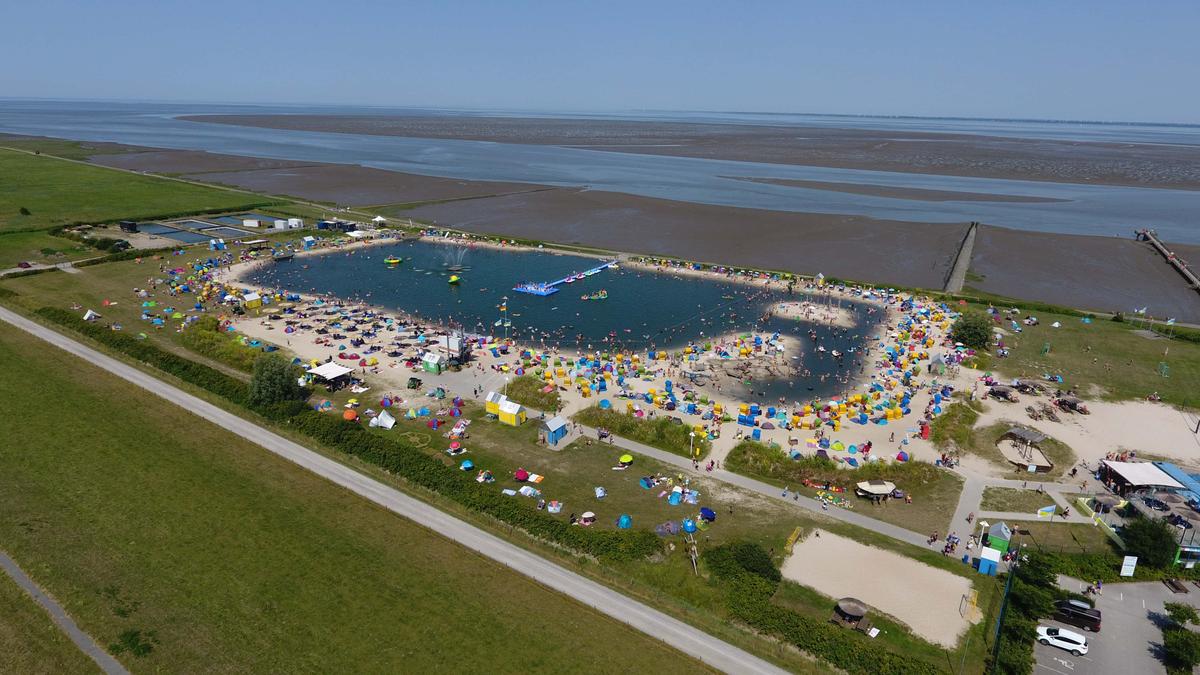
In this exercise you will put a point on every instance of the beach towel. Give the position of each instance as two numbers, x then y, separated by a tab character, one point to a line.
534	478
508	493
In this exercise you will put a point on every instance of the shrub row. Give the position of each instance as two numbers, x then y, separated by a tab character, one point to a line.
749	587
390	453
29	273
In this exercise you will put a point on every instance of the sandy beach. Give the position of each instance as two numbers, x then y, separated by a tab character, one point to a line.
925	598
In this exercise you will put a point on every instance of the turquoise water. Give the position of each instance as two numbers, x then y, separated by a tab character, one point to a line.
644	310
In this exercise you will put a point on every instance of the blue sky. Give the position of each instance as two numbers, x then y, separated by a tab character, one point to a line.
1095	59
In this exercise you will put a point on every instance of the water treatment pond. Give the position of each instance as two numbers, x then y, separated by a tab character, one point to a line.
643	309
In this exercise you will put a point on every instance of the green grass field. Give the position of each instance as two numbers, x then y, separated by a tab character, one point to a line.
139	517
1014	500
40	248
58	192
1104	359
29	640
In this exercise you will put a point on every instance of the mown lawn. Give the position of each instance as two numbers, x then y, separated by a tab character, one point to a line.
1014	500
139	517
1103	359
58	192
40	248
30	642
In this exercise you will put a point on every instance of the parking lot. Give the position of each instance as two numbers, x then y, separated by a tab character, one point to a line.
1129	638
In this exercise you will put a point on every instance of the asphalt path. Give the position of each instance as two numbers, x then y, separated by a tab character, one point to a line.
60	617
679	635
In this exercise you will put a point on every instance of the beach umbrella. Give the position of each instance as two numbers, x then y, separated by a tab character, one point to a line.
521	475
689	525
466	465
852	607
455	445
708	514
624	522
626	459
349	415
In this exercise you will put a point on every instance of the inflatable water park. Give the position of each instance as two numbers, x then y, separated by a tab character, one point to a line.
544	288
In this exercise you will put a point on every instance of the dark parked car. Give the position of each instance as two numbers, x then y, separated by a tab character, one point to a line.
1078	613
24	265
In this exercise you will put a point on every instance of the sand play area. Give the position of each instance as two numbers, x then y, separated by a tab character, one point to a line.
923	597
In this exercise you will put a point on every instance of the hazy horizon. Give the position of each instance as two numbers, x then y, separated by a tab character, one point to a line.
1111	62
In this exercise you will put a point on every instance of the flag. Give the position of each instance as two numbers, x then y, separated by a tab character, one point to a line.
1140	311
1046	511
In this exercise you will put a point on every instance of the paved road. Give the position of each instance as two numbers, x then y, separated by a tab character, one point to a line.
683	637
81	639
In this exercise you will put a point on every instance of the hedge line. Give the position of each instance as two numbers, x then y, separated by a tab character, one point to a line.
749	588
659	432
29	273
390	453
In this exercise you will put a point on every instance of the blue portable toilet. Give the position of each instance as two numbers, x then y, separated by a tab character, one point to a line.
756	434
771	411
745	420
555	428
755	411
989	559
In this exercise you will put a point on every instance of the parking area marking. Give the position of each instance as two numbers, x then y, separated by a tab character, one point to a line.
1053	670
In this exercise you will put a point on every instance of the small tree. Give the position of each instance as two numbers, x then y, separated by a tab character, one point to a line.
24	211
1152	540
1181	613
1182	648
274	381
973	329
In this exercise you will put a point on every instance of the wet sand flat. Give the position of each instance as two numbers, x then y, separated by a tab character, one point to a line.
911	254
358	185
187	161
1107	274
915	194
1144	165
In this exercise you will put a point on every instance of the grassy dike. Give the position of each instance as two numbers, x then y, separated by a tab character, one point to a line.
223	557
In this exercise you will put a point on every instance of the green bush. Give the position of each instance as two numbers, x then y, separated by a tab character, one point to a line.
527	390
275	381
1181	648
1152	540
29	273
660	433
973	329
205	336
